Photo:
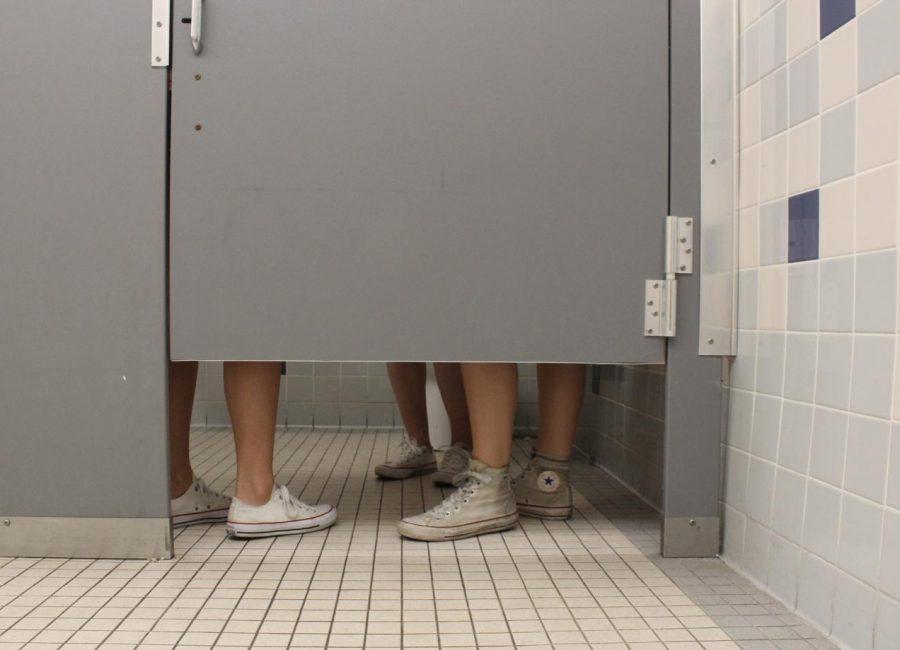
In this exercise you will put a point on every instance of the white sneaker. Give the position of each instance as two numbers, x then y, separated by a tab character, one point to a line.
454	462
483	503
284	514
199	505
409	460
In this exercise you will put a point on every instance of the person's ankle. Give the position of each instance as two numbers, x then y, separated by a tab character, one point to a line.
179	485
256	494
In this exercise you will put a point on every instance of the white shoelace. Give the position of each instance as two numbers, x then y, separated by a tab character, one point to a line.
292	505
205	492
408	449
467	483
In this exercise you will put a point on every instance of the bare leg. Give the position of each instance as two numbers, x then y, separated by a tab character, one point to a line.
450	381
182	384
561	393
251	389
491	391
408	382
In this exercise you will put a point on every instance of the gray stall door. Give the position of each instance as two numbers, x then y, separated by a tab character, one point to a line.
418	179
83	456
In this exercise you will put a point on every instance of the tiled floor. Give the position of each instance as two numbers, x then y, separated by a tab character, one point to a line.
595	581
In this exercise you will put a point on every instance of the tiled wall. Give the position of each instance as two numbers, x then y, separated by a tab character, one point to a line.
336	395
622	426
812	448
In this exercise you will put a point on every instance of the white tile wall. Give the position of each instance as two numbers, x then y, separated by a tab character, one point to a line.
812	447
331	394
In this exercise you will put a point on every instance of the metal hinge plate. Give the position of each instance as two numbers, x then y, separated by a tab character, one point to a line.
660	306
160	28
679	245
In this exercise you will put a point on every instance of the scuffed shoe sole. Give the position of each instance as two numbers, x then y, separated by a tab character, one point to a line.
544	512
203	517
384	471
438	534
242	530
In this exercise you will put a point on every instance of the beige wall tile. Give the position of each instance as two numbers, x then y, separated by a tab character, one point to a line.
837	214
878	125
803	25
876	209
803	157
838	66
772	297
773	168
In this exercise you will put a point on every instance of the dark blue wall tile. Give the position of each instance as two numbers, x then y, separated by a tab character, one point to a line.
834	13
803	227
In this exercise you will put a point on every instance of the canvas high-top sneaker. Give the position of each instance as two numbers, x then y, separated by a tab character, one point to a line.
542	489
482	503
409	460
455	461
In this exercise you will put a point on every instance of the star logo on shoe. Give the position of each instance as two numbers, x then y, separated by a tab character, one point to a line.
548	481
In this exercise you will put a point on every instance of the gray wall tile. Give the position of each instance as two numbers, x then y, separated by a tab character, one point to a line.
893	486
804	90
774	103
868	444
766	423
860	525
829	442
823	506
760	487
354	389
876	292
800	367
873	368
300	389
836	308
773	233
803	296
747	299
790	494
327	389
833	370
796	435
770	363
740	419
879	51
838	142
743	367
773	40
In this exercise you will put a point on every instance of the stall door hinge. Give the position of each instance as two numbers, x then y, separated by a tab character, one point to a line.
160	15
661	296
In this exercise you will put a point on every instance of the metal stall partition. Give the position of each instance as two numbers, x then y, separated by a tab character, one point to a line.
83	462
398	179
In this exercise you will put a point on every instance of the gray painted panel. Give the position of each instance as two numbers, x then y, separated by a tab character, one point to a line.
398	179
82	255
694	386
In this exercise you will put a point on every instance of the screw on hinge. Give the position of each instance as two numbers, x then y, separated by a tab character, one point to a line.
693	522
159	23
198	127
650	331
7	522
710	341
159	59
683	267
656	285
649	303
198	77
